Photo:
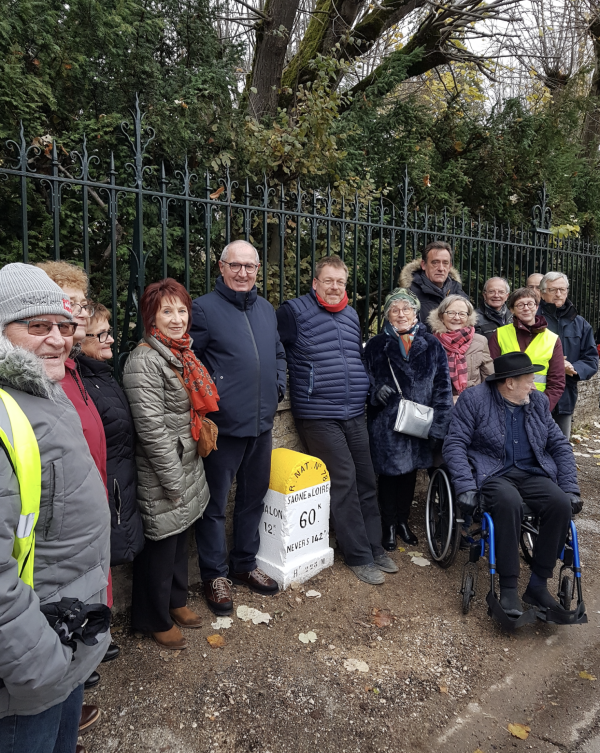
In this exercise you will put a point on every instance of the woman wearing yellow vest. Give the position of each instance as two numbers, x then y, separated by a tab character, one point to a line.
529	333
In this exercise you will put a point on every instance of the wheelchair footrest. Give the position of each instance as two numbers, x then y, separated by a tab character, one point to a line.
506	621
562	617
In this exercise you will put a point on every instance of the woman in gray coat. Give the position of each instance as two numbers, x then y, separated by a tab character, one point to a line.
172	490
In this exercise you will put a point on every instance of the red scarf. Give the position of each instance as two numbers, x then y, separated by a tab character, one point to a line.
333	308
456	345
201	388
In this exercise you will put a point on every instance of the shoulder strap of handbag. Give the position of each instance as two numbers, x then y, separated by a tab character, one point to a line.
175	371
394	377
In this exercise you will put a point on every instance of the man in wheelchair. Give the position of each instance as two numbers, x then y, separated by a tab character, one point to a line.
504	449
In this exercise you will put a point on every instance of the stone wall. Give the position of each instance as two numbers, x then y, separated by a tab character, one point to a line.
587	408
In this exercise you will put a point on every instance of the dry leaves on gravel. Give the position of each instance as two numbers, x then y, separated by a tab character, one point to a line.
519	730
356	665
309	637
216	640
381	618
586	675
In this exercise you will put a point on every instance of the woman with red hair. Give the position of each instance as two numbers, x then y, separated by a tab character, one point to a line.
172	490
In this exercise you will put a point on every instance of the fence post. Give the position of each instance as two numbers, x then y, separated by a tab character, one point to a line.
406	194
541	220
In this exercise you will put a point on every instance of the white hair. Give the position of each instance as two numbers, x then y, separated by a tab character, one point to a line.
225	251
550	277
505	281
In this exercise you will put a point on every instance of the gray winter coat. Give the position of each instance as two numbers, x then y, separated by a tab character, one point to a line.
172	489
72	545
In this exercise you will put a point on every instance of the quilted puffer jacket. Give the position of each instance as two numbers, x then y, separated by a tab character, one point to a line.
474	446
172	489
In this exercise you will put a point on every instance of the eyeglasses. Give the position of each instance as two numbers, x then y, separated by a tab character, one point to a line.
530	305
401	312
235	267
556	290
79	308
331	283
103	336
456	314
41	327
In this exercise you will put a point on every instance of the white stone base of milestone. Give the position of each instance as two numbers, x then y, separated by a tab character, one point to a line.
294	529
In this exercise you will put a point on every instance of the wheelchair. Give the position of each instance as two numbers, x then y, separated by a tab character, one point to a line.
443	525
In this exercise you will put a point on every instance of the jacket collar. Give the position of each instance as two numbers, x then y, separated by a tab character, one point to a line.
240	299
419	345
93	367
536	328
163	351
567	311
499	400
24	371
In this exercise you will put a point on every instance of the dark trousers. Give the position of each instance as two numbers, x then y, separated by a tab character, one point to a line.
248	460
396	494
344	448
502	497
52	731
160	583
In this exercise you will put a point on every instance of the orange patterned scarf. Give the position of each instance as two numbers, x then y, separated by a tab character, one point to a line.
201	388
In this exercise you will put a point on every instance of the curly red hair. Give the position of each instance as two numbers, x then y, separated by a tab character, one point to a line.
154	295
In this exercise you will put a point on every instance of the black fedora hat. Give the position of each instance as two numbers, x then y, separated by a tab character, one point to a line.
512	365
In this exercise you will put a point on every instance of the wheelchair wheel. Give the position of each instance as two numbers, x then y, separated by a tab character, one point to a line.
566	592
527	542
443	532
468	592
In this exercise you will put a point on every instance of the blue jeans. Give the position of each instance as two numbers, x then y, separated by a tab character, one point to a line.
52	731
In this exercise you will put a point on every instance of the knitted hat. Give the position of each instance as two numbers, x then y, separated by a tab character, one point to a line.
401	294
27	291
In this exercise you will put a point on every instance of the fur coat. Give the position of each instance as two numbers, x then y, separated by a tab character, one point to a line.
423	378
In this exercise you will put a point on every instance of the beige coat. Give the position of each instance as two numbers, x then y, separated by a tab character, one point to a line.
479	361
172	489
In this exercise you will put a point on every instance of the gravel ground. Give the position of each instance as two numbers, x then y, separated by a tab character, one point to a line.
268	692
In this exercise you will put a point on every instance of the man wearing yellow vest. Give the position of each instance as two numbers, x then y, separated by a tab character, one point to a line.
529	334
54	521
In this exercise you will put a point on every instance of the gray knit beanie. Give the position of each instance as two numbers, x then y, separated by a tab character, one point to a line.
27	291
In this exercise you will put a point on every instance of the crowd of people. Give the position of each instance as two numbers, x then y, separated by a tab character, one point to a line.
94	474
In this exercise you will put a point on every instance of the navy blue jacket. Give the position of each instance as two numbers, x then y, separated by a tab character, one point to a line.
235	336
126	531
474	448
324	355
425	379
578	344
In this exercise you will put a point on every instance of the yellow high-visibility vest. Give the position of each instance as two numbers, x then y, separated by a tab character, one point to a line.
540	350
24	455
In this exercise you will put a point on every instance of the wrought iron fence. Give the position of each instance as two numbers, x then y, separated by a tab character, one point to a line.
65	205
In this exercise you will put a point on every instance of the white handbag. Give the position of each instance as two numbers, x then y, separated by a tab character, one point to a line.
413	419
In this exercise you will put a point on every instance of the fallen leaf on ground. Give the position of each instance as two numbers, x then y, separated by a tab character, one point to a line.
368	688
222	622
294	585
249	613
586	676
415	554
309	637
443	689
381	618
216	640
519	730
478	750
597	456
356	665
317	595
401	548
298	600
420	561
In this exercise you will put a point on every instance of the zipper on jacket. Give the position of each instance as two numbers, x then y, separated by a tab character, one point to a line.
311	379
341	342
117	498
258	362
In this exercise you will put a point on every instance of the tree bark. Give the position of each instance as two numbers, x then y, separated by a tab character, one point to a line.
272	39
591	125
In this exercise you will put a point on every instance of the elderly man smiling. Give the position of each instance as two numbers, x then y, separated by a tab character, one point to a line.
234	333
493	312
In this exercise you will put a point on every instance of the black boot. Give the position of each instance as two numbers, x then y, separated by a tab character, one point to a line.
510	602
406	534
388	542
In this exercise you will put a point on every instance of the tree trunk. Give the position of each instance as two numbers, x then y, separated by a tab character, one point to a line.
591	126
272	39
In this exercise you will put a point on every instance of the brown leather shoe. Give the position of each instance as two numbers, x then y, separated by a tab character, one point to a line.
80	749
218	596
184	617
256	581
89	717
172	639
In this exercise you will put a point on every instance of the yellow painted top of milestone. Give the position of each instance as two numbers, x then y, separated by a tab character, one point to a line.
292	471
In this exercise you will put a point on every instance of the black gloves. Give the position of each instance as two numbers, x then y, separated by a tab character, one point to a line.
468	501
383	394
576	503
